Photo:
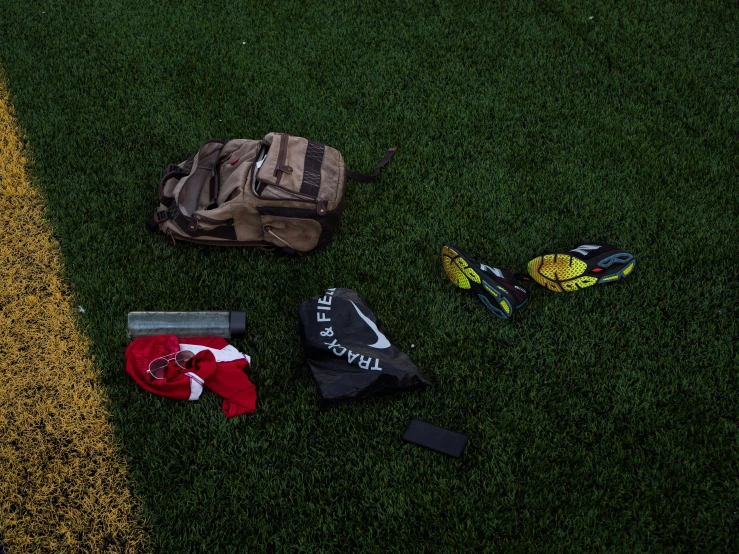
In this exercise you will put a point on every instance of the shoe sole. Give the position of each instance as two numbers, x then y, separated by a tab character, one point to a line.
466	275
565	273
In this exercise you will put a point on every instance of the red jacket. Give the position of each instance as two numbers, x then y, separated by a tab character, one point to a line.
216	365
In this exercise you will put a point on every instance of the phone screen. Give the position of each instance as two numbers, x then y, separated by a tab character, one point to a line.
435	437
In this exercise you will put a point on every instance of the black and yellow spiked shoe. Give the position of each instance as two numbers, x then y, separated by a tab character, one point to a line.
587	265
496	288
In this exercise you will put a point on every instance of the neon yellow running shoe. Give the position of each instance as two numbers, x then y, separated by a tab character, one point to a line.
587	265
496	288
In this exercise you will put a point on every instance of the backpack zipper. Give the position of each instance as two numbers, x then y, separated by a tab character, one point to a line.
321	205
212	221
196	218
298	195
259	243
268	228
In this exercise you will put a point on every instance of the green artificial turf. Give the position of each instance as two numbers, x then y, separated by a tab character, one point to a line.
600	421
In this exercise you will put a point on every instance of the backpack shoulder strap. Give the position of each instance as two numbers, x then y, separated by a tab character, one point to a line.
208	157
367	178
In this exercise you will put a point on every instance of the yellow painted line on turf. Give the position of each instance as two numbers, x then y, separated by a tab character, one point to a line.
62	480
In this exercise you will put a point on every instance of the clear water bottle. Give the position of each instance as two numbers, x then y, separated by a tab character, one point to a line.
187	324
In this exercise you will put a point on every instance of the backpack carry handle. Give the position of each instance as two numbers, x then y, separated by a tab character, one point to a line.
368	178
208	157
167	200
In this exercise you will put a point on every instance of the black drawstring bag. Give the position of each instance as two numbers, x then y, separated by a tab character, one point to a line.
347	349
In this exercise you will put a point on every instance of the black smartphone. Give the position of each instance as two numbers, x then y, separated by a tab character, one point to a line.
435	437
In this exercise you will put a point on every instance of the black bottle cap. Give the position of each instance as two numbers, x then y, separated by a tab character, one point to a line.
237	324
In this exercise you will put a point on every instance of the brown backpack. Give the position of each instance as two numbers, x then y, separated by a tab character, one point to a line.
281	192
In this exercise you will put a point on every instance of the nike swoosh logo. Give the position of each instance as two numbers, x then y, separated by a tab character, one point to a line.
584	249
382	341
493	270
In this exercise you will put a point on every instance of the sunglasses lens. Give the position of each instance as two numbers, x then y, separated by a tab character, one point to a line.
157	367
183	357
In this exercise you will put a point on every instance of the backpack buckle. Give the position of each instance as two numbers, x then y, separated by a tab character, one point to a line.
161	216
